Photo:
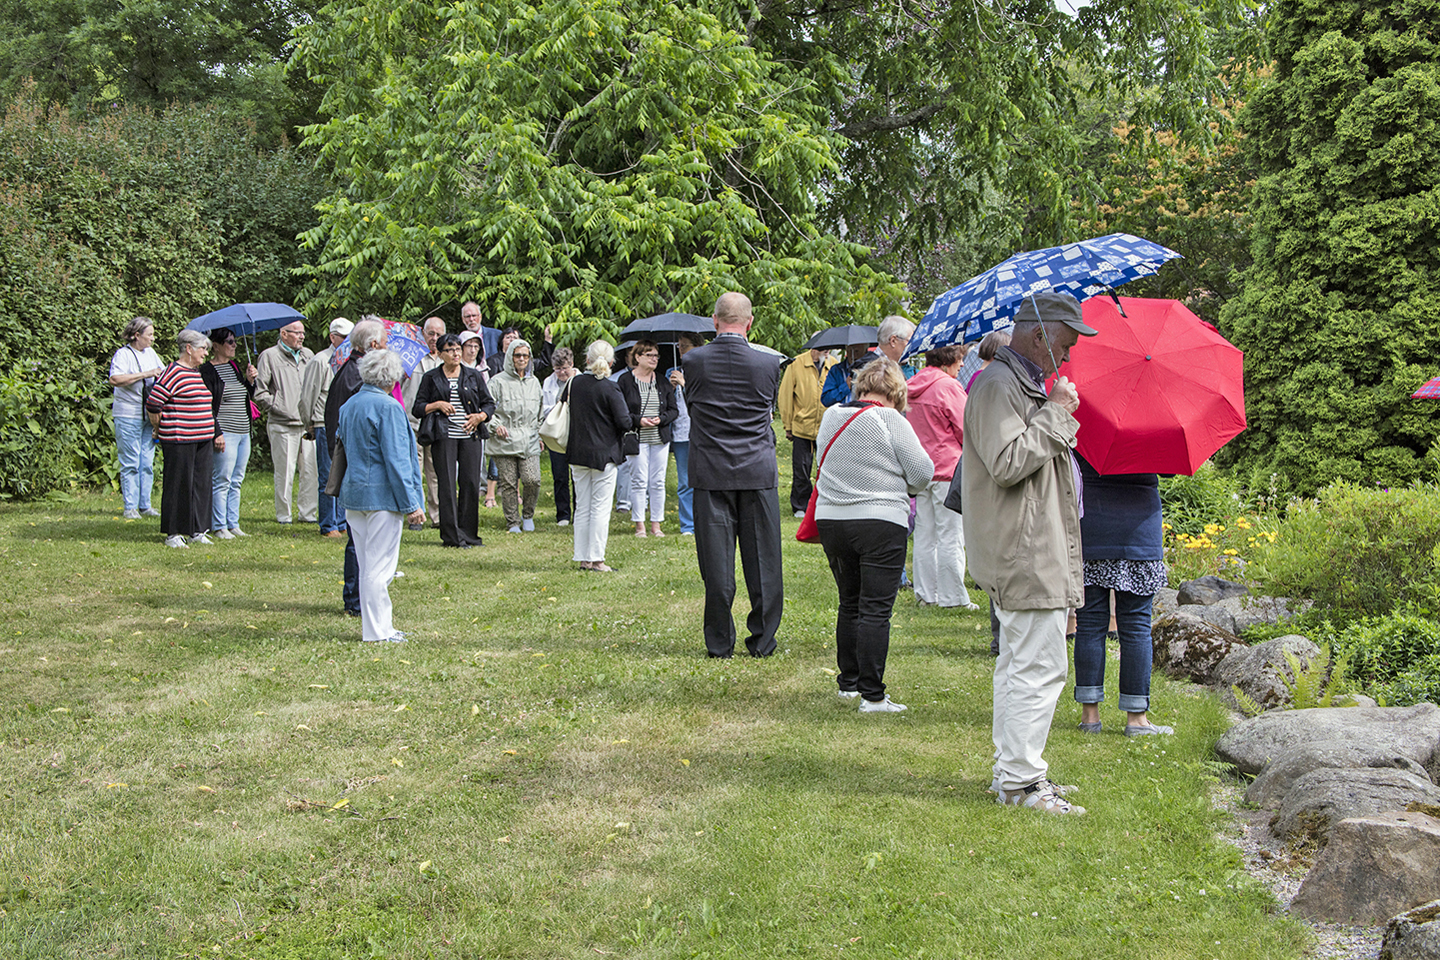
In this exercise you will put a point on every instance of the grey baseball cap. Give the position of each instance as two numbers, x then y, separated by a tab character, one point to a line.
1054	306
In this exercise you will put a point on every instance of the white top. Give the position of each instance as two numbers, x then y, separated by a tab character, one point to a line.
876	465
128	398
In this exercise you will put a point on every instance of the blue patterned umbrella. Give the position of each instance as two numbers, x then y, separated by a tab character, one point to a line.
989	301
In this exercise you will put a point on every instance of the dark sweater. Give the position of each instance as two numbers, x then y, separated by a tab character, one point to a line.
598	419
1122	516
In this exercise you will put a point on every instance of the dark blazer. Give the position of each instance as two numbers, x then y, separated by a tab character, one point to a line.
212	380
345	385
474	395
730	394
669	409
598	419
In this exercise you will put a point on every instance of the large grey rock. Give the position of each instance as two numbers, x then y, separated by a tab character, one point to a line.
1261	671
1323	797
1216	614
1164	602
1412	732
1413	935
1373	868
1275	781
1210	589
1252	610
1188	648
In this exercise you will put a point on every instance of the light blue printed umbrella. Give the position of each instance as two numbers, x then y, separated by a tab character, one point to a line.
989	301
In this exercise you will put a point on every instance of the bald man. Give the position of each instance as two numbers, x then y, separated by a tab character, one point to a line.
730	394
279	379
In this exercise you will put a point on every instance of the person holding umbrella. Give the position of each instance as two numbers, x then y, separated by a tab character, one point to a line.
232	389
651	400
800	412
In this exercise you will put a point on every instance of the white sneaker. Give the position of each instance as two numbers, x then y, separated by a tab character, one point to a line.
176	541
562	523
201	538
237	532
847	694
224	535
799	514
1043	796
132	514
882	706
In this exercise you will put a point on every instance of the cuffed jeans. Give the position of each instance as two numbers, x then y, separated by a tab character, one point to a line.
684	493
227	475
593	490
647	481
135	443
332	515
866	557
376	535
1029	675
1132	620
939	549
289	450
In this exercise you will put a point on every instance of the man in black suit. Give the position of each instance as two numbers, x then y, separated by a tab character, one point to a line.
730	392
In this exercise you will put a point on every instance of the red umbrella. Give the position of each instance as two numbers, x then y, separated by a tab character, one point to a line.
1160	389
1429	391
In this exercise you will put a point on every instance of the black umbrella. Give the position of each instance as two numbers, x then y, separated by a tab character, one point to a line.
667	327
842	337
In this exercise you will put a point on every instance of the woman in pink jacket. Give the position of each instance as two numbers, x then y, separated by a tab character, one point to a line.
937	411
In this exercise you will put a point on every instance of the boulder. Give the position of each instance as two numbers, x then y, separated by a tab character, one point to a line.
1412	732
1210	589
1275	781
1164	602
1252	610
1413	935
1373	868
1188	648
1325	796
1216	614
1261	671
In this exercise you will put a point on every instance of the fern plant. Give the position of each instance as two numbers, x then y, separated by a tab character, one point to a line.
1319	683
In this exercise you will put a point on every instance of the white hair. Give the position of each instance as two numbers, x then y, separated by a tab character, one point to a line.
599	357
191	338
894	326
366	332
381	368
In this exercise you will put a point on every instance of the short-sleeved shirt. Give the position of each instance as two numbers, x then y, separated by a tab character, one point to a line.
128	399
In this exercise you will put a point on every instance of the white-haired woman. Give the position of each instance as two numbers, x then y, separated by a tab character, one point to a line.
599	420
180	409
134	367
381	490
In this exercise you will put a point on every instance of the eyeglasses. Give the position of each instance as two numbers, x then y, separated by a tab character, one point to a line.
650	354
225	343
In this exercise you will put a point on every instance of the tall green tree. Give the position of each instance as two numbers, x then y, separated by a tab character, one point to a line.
1340	314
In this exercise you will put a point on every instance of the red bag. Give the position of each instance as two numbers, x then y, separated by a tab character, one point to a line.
809	532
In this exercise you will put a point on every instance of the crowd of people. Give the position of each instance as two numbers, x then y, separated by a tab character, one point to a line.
971	455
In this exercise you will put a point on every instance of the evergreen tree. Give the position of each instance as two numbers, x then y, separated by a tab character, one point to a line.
1340	314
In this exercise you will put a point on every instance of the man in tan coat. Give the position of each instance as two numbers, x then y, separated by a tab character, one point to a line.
1021	493
800	412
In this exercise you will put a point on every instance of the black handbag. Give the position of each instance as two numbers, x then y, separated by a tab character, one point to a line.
952	496
630	444
337	470
433	426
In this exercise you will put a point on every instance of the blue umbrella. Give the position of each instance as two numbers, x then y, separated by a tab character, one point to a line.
247	319
989	301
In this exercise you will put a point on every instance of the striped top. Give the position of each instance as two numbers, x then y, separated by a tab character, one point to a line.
234	401
183	402
649	409
457	419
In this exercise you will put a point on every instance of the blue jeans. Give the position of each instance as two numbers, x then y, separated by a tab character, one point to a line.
683	491
1132	620
225	478
332	515
137	461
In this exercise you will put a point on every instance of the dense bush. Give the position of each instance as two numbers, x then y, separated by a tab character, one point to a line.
1209	497
1395	658
1358	551
54	428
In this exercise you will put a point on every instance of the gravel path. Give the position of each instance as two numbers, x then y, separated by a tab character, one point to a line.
1269	860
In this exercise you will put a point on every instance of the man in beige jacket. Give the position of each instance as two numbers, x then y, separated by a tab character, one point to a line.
800	412
281	373
1021	493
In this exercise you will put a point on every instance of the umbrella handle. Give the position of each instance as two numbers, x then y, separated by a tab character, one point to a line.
1117	303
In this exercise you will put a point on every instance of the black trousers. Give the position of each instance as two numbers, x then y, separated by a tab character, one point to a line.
802	466
564	499
751	519
866	558
457	464
185	489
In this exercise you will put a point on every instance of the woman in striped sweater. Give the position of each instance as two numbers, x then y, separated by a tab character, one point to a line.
180	408
872	465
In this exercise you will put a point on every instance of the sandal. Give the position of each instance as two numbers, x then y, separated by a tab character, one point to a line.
489	504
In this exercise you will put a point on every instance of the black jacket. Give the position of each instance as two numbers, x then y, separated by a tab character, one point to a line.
730	395
598	419
669	409
474	395
346	384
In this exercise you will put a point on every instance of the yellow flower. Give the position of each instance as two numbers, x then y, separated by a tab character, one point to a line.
1232	552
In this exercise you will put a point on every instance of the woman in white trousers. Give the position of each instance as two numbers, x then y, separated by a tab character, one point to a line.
599	419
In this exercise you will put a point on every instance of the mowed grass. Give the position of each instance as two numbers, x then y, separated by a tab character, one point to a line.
200	760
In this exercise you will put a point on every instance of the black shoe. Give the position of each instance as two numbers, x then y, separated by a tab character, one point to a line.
351	613
415	526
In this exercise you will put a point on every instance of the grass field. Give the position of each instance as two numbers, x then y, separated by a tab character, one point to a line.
200	760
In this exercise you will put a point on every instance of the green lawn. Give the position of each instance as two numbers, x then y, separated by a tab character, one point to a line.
201	760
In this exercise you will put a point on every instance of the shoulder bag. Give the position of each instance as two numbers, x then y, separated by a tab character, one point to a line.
809	531
337	470
555	431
